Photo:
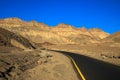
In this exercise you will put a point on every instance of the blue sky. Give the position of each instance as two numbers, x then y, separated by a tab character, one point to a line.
103	14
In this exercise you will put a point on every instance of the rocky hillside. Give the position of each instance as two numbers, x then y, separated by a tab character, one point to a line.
60	34
8	38
113	38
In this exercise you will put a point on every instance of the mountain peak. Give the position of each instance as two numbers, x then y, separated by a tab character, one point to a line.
15	19
95	29
83	29
33	21
62	25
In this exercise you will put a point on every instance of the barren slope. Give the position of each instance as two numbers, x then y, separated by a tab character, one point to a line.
61	34
8	38
113	38
35	65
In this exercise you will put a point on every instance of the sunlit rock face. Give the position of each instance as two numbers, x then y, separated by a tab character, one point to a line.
60	34
113	38
99	33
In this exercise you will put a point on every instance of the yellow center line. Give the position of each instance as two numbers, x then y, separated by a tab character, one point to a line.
78	69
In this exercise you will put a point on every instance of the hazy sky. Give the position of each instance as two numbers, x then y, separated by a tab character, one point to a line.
103	14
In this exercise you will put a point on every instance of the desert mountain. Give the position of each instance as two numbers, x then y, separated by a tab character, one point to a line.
98	33
25	64
60	34
113	38
8	38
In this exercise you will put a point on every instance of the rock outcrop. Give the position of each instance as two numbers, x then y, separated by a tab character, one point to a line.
8	38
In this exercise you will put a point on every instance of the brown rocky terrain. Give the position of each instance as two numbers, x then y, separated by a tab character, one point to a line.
21	60
61	34
24	53
113	38
8	38
16	64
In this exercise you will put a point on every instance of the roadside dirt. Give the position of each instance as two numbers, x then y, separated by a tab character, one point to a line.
37	64
110	54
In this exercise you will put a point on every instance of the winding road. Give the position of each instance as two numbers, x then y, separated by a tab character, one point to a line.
93	69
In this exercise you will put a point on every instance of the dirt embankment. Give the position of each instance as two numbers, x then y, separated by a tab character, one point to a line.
35	65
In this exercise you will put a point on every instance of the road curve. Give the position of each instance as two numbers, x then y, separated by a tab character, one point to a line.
93	69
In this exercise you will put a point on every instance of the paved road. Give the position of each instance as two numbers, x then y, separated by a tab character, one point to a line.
93	69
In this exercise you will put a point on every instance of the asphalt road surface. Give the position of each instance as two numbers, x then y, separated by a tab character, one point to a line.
93	69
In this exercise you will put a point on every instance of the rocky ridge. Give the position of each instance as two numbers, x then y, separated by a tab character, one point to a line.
22	59
61	34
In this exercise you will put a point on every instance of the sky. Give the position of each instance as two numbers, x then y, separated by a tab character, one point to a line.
103	14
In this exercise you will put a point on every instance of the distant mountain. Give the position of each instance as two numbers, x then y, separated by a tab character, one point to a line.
113	38
60	34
